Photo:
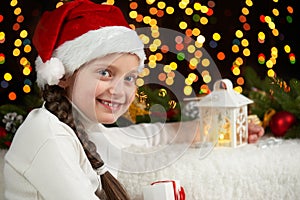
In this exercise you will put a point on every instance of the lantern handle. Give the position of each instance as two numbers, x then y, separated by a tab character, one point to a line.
223	84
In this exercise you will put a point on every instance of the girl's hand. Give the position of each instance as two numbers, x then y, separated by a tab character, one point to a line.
255	132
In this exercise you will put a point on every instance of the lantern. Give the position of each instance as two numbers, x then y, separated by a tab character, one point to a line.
223	116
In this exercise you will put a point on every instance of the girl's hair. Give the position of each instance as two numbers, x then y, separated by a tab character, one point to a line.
57	103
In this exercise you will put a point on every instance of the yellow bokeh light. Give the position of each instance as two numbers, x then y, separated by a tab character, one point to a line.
238	89
152	47
275	32
169	81
155	34
287	48
110	2
170	10
152	64
245	11
207	79
249	3
23	34
147	19
133	14
17	11
245	42
271	25
271	73
13	3
268	19
275	12
205	62
153	22
269	64
236	71
187	90
16	52
261	35
139	82
167	69
2	35
194	62
239	61
197	6
152	58
7	76
204	9
239	34
145	39
203	20
161	5
26	88
23	61
157	42
173	65
183	25
216	36
144	72
18	43
192	76
196	32
59	4
191	48
189	11
188	81
246	52
149	2
26	71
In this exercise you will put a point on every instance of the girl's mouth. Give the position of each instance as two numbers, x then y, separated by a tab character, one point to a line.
109	104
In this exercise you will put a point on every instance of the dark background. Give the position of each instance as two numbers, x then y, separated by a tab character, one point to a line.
225	21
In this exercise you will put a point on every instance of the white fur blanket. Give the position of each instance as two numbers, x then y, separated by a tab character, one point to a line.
247	172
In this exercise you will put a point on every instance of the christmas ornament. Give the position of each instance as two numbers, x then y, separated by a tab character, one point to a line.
281	122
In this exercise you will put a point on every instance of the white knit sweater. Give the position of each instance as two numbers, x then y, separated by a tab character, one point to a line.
47	161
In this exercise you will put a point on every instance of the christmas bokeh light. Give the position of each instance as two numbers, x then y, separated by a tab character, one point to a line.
236	34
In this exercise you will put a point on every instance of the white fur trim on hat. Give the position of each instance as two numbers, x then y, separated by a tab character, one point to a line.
94	44
49	72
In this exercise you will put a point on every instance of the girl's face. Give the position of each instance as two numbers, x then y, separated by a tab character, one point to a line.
104	88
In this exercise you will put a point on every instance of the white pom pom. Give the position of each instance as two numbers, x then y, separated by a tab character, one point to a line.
49	72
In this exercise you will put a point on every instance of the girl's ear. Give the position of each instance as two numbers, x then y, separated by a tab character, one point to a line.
64	82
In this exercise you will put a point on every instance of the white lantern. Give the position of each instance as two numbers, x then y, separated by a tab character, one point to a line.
223	116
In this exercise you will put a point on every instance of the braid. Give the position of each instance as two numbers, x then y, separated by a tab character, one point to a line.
59	105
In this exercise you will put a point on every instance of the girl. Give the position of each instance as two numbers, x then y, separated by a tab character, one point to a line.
88	61
87	64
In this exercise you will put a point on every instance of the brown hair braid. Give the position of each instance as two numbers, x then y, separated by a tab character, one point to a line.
57	103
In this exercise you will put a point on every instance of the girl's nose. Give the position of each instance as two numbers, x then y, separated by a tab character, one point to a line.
117	87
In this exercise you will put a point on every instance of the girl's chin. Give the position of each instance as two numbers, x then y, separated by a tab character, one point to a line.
107	120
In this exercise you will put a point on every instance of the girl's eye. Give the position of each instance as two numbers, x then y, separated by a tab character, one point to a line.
131	78
104	73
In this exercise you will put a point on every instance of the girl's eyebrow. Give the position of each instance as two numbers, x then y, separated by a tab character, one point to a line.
117	67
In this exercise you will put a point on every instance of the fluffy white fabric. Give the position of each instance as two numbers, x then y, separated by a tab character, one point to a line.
249	172
49	72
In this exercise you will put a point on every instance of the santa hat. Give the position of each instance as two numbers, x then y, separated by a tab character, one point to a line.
77	32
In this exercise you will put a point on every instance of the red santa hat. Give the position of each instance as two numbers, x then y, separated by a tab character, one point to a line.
78	32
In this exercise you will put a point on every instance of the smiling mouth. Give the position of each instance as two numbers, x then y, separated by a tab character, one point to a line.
110	104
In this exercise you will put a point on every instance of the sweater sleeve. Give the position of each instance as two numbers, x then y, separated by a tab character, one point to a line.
59	171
